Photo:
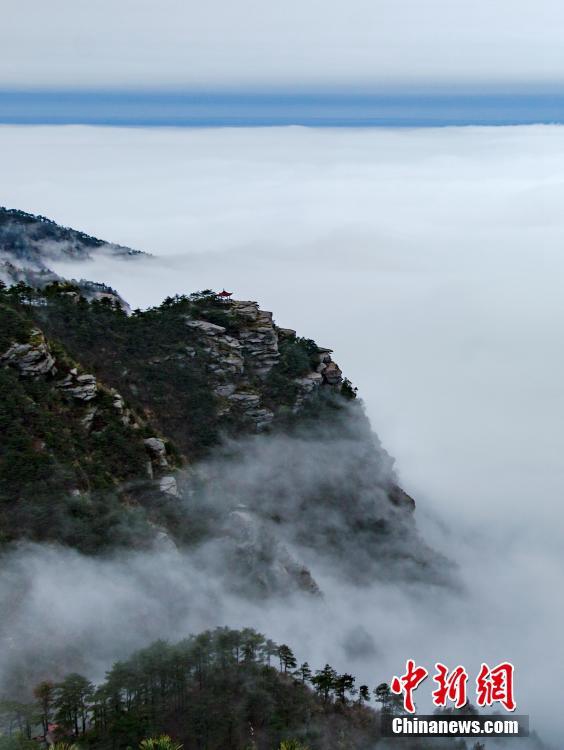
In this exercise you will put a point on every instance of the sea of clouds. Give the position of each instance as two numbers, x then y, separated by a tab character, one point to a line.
431	261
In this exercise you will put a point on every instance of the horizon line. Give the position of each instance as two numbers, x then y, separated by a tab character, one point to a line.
152	108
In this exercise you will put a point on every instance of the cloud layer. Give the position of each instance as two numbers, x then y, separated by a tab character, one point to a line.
431	262
297	43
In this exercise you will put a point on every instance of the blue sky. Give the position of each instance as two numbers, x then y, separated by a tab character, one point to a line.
186	62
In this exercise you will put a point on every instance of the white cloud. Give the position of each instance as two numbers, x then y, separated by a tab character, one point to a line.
298	42
431	261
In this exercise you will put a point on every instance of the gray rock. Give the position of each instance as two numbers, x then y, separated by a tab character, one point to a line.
245	400
88	418
247	310
32	360
260	348
266	560
209	329
223	391
118	402
81	387
169	486
286	333
230	342
332	374
309	382
157	450
261	417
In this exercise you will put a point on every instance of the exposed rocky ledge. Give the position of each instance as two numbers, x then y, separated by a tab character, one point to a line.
239	358
33	359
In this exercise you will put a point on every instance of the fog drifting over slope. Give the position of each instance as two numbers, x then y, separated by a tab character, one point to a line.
431	261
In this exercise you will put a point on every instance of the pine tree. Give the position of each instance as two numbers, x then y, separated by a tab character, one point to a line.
45	696
287	658
72	702
344	684
324	681
363	694
270	649
390	702
304	672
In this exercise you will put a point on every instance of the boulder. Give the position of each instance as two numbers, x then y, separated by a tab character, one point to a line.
157	451
33	360
169	486
81	387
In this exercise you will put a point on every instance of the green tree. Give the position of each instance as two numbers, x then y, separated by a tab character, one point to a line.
44	694
270	649
17	718
72	702
344	683
287	658
252	642
304	672
324	682
164	742
390	702
363	694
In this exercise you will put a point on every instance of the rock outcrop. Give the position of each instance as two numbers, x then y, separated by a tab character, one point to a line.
243	357
128	400
262	558
81	387
156	448
160	468
33	359
258	337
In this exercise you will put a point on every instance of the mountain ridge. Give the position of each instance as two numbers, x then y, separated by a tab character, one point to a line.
199	421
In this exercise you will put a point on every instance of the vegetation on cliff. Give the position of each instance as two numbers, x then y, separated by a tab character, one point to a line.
220	690
86	389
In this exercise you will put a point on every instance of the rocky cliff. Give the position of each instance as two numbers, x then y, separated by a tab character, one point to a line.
197	425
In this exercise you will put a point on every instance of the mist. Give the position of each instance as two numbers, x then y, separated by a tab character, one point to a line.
430	261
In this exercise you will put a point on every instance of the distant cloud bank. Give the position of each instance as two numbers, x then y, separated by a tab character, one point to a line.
244	109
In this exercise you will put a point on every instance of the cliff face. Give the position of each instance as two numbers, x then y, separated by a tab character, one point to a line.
243	359
197	425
